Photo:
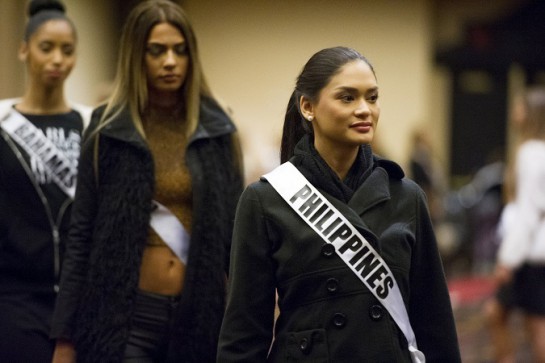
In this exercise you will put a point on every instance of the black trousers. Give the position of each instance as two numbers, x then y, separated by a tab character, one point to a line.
24	327
150	327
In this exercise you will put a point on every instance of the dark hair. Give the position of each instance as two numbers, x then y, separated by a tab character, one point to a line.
316	74
41	11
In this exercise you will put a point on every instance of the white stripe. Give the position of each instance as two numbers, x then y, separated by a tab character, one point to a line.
171	231
335	229
60	168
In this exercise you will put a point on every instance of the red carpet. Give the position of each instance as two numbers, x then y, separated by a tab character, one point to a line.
470	290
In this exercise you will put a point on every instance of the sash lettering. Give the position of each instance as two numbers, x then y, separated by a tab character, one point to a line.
61	169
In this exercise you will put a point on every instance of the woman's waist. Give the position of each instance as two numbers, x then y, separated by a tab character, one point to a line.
161	271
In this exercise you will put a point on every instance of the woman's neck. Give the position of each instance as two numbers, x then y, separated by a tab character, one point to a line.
340	161
40	100
165	101
165	108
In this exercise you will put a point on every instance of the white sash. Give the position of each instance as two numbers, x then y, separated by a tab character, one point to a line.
171	231
62	170
350	245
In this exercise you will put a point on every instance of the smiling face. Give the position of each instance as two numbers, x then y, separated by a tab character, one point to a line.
50	53
346	113
166	60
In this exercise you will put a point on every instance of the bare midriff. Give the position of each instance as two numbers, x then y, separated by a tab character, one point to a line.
161	271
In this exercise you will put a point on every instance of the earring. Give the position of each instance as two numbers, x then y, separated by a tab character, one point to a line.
310	118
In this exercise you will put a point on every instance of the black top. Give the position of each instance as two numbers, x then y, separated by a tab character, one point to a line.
27	224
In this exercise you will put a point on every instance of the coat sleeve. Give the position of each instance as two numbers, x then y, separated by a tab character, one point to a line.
234	189
78	243
430	309
247	328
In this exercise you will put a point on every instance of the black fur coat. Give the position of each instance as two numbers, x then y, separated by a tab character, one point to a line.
110	224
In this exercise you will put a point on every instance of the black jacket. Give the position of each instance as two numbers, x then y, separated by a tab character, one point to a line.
31	233
109	231
326	313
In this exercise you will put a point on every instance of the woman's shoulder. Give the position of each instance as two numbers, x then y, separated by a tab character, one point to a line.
210	105
6	105
532	147
396	175
96	115
84	111
261	190
214	119
393	169
9	101
531	153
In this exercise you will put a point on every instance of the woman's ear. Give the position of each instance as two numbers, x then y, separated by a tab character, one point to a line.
307	108
23	52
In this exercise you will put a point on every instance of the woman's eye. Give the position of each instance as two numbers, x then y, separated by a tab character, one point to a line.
373	98
46	47
155	50
181	49
68	50
347	98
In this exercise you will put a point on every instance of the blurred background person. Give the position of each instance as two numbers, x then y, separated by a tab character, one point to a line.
147	258
520	270
39	150
426	171
499	308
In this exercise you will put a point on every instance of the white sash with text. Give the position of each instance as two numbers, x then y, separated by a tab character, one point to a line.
350	245
62	170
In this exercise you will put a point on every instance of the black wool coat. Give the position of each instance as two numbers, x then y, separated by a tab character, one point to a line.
109	229
326	313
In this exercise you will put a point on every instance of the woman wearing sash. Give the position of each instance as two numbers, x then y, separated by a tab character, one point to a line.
40	137
327	313
145	274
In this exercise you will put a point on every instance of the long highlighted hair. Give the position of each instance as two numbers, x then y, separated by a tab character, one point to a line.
130	89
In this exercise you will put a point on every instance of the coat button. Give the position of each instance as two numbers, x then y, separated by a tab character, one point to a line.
328	250
339	320
304	345
332	285
376	312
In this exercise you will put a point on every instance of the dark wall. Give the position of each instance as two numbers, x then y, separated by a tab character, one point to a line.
479	119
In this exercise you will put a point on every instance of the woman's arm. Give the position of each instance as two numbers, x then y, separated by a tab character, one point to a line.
247	328
78	245
430	308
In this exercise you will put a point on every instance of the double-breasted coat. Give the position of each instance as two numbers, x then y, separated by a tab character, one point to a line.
326	312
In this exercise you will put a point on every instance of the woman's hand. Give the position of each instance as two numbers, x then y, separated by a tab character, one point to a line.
503	274
65	352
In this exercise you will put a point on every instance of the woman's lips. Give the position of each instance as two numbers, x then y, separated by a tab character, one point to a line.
362	126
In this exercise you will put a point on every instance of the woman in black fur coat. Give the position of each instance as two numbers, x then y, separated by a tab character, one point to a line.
147	257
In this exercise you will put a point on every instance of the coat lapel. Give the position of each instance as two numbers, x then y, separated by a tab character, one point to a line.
373	191
122	128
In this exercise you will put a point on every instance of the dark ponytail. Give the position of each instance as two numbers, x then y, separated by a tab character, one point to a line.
295	126
316	74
